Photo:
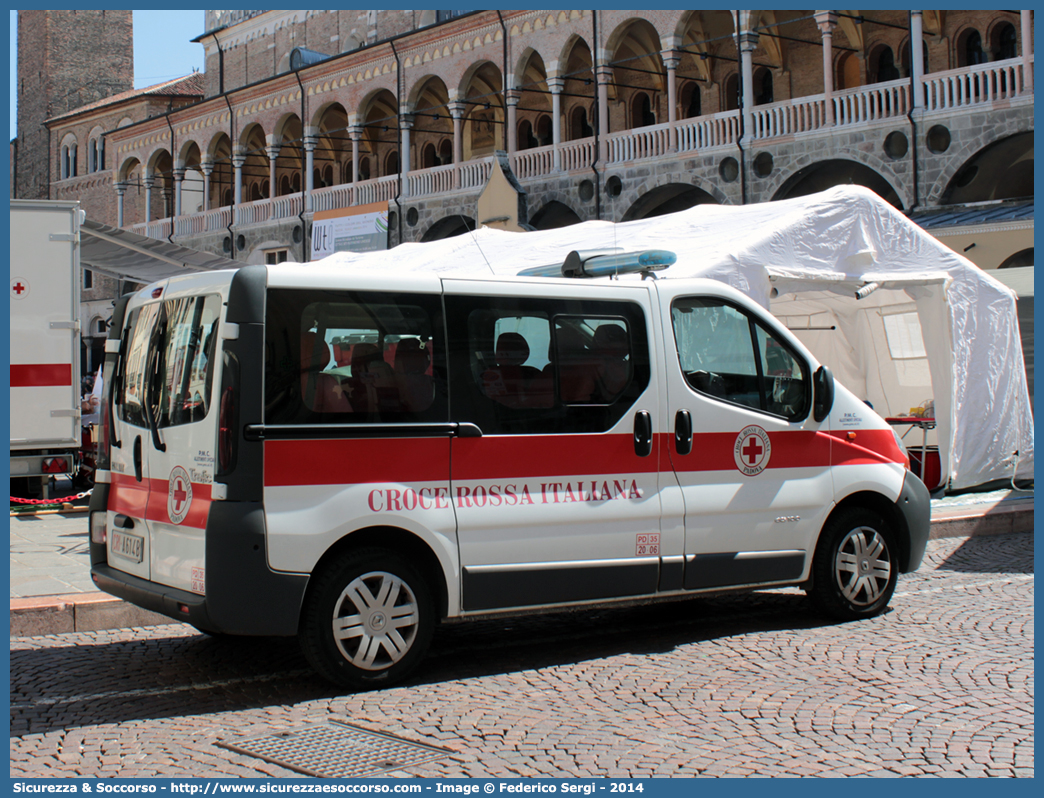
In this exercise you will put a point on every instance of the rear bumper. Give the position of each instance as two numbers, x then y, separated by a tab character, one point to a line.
243	595
177	604
915	504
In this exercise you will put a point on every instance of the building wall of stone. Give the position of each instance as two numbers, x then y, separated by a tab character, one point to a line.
66	59
257	49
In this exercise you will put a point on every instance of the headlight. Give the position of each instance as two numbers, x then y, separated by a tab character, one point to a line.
902	446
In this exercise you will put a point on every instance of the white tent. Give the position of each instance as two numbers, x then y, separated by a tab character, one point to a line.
932	326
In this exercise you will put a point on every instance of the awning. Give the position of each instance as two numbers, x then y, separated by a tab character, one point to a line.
129	256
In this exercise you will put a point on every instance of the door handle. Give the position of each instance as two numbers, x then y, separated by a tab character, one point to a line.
683	432
642	433
137	457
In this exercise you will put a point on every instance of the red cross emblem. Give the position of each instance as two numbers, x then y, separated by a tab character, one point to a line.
752	450
179	495
19	288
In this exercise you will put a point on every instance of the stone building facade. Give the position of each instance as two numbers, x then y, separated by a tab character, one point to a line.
605	114
66	60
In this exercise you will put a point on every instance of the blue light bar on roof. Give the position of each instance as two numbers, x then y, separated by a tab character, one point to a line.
601	263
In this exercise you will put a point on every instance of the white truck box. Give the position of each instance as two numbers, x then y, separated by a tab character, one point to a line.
45	335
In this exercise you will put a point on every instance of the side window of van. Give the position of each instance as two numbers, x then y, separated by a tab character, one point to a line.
726	354
353	357
545	366
188	329
129	387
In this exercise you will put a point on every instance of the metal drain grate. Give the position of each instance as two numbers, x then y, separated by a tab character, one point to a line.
337	751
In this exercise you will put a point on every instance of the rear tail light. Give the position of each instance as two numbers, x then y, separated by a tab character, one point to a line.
55	465
99	527
226	438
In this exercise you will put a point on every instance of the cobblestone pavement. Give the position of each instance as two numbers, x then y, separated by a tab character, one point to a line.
740	686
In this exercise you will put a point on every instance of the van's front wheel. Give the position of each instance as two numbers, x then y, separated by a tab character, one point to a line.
854	571
368	620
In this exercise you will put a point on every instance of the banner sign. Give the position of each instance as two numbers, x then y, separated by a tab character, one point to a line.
363	228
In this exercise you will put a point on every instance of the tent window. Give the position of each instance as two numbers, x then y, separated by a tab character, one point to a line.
903	331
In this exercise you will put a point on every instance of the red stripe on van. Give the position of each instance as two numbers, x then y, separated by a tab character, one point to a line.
869	446
128	496
148	499
356	461
522	456
366	461
34	375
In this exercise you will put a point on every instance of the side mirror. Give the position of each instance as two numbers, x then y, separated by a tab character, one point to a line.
823	393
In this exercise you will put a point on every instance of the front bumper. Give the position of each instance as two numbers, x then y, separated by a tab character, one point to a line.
915	504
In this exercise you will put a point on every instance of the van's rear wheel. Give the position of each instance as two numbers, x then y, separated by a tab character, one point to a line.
855	569
368	620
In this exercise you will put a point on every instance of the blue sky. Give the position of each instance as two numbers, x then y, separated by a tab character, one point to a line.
163	49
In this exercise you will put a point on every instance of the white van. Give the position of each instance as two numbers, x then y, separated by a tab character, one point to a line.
353	457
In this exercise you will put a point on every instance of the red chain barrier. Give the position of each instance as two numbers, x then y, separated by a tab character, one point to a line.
62	500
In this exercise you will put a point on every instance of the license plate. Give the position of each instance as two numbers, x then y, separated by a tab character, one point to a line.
128	546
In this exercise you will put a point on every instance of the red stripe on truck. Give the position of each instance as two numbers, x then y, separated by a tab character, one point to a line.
34	375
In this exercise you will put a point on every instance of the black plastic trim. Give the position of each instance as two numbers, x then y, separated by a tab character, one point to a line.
915	503
262	432
488	590
723	569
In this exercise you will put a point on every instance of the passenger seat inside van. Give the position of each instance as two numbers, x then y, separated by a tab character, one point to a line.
320	391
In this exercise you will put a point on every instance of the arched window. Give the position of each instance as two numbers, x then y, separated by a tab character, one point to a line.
284	185
763	86
526	139
255	192
731	89
544	134
908	65
391	164
328	175
972	52
226	197
428	156
1007	43
690	100
886	68
579	128
446	151
266	190
347	172
296	182
364	168
848	71
641	110
317	179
